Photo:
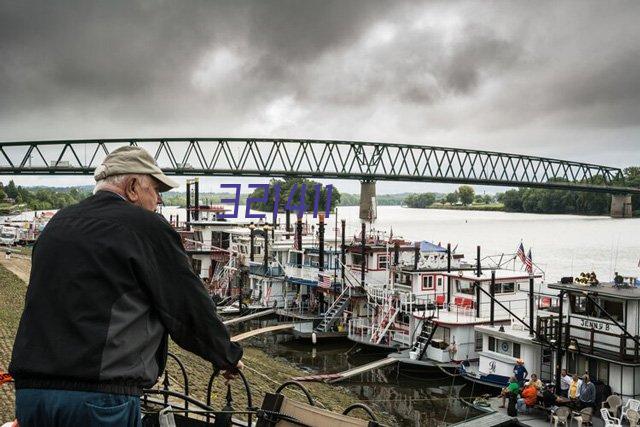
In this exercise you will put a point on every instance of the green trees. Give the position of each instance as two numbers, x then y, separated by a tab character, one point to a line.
421	201
286	186
42	198
452	198
466	193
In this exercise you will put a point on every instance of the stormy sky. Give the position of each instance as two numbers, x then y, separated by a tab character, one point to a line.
557	78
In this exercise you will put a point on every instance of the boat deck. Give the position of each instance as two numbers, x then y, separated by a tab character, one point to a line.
497	416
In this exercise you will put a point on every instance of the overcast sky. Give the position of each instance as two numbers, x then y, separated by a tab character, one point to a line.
557	78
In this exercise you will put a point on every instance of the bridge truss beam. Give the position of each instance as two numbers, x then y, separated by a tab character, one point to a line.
317	159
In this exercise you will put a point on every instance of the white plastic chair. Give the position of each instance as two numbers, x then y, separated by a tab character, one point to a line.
631	404
612	404
560	416
583	417
609	421
633	417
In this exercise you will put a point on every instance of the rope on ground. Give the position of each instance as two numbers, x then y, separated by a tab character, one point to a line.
255	371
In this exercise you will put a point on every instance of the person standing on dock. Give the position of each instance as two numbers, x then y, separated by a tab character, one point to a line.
520	372
110	281
587	398
565	383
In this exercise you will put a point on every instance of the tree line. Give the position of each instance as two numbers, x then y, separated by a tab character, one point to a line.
542	200
40	198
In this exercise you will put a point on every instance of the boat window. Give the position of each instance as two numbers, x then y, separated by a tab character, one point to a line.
196	264
464	287
439	282
516	350
508	288
579	304
614	307
504	288
603	371
427	282
356	260
443	334
383	262
492	344
478	341
583	305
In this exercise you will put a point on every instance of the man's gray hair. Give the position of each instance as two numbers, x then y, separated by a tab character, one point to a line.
116	180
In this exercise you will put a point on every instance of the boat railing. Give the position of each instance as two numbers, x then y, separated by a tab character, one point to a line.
610	344
362	330
260	269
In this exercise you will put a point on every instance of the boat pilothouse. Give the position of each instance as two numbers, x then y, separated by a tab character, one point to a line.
413	281
599	333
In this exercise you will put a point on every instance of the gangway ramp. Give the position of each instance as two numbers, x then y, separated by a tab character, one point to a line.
253	333
340	376
250	316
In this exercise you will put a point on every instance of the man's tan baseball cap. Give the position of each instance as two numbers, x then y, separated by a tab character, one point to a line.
133	160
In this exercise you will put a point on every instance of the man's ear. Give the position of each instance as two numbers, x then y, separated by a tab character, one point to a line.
130	189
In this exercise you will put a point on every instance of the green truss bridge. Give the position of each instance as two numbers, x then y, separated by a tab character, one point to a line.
364	161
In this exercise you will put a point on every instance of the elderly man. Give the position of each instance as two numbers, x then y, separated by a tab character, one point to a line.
109	282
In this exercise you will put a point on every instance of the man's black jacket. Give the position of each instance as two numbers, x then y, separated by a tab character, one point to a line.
108	281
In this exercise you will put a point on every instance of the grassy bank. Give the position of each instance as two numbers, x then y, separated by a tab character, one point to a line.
263	372
12	291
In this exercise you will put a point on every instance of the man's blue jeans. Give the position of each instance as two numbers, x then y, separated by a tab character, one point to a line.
49	408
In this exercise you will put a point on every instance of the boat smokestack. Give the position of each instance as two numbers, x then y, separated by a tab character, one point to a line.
449	276
479	266
363	250
396	253
287	216
299	241
416	255
321	241
343	248
252	242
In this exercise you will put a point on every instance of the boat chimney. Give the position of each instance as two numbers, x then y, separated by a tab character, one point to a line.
449	271
531	297
396	253
492	292
416	255
299	241
479	267
252	242
321	241
343	248
363	252
287	216
265	230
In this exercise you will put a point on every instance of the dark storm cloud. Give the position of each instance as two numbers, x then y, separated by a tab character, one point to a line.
493	75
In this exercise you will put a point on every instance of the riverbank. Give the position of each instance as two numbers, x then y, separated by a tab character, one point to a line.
264	372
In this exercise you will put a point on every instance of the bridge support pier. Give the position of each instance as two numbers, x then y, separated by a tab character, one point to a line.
368	205
621	206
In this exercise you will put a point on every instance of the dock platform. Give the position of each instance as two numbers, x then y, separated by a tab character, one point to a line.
340	376
249	317
255	332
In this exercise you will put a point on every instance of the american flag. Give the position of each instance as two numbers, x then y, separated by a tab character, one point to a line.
324	281
529	263
521	254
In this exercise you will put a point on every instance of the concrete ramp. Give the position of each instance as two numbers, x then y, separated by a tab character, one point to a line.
340	376
253	333
249	317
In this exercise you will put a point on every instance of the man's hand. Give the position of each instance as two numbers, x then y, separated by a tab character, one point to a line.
232	374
